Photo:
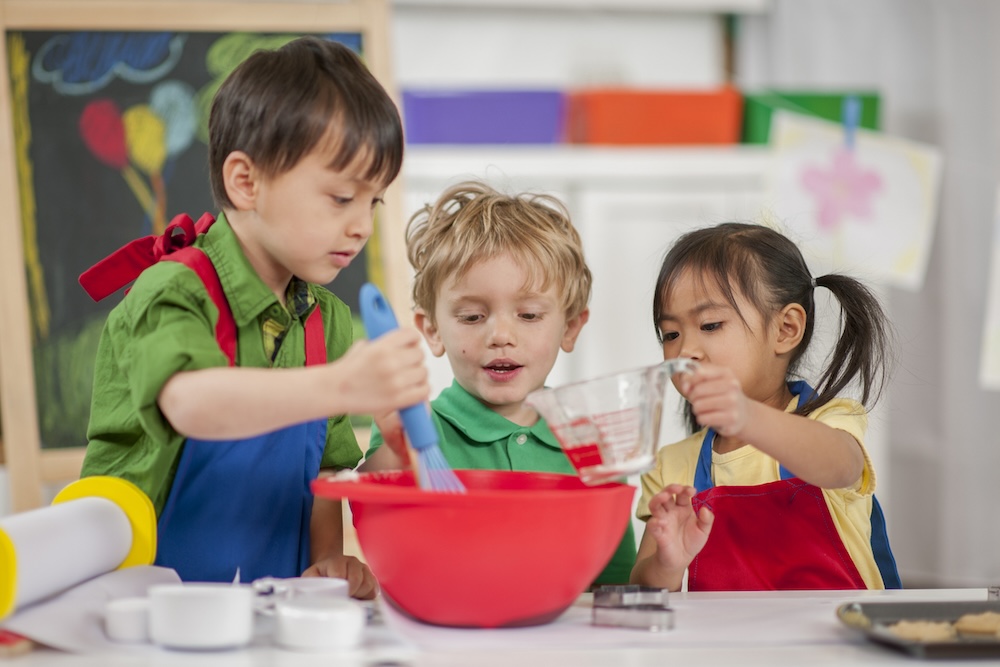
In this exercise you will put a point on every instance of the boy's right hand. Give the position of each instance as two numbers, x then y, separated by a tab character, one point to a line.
382	375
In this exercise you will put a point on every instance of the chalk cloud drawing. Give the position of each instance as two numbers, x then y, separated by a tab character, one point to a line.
81	63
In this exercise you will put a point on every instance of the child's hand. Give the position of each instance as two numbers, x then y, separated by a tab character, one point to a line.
379	376
361	582
393	455
680	534
391	428
716	398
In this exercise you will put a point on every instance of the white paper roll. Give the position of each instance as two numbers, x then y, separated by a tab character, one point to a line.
63	545
95	525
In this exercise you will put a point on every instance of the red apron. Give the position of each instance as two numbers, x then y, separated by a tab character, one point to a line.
775	536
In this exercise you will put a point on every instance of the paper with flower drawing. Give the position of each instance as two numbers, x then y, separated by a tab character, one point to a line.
867	209
989	360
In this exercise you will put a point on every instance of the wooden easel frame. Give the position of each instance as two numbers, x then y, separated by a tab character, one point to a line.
29	466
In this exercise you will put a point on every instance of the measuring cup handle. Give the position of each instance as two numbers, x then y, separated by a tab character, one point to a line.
679	365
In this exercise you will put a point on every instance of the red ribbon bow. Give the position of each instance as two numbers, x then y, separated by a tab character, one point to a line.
125	264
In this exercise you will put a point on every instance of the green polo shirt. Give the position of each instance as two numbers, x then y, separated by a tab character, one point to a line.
474	437
165	325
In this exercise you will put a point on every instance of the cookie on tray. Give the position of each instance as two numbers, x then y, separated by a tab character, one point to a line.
924	631
985	623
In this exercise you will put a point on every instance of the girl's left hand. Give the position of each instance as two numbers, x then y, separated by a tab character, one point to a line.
679	532
717	398
361	582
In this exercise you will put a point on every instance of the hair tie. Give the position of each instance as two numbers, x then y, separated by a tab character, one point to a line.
812	281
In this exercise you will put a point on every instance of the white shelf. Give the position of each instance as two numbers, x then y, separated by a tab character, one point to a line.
723	166
701	6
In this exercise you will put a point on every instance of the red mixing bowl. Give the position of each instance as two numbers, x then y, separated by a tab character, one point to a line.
516	549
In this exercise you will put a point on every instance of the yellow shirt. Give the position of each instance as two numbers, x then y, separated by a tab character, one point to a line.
850	508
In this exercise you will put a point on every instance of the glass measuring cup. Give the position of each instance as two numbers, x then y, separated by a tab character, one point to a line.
609	426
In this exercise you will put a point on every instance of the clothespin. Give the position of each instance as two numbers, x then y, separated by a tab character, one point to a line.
850	117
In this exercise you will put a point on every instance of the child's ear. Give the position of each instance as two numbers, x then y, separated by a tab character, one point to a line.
239	176
573	327
423	322
791	324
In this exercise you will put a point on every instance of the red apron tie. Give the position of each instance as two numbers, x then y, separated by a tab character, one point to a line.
125	264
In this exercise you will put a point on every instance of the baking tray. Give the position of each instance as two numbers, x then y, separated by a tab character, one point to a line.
873	619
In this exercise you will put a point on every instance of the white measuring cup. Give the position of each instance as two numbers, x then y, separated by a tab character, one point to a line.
271	590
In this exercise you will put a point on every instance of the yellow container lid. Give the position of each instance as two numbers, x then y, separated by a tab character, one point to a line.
133	501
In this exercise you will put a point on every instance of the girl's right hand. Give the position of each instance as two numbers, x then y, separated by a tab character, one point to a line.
680	534
716	398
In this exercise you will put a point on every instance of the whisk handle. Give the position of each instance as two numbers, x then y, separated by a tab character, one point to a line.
378	319
376	313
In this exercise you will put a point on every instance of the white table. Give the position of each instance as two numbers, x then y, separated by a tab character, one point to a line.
746	629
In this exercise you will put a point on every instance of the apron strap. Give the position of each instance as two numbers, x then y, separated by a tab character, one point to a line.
703	471
125	264
176	244
315	338
225	328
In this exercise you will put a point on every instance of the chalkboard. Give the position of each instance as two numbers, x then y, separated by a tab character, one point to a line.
109	131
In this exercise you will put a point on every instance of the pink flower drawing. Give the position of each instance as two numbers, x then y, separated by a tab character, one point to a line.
843	188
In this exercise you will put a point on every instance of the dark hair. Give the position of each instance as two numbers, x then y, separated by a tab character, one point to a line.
770	272
277	106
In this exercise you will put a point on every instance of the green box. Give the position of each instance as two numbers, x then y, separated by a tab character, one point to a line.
759	106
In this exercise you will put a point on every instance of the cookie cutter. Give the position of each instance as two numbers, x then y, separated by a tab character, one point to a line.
631	606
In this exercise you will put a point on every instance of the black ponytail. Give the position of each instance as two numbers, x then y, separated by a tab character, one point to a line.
862	349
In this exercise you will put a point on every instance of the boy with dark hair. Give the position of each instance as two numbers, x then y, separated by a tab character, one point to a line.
212	390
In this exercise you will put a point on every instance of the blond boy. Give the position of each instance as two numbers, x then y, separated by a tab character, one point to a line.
501	286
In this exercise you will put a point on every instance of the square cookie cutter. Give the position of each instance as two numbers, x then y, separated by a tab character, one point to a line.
631	606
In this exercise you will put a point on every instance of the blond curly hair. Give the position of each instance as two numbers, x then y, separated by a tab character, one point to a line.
472	222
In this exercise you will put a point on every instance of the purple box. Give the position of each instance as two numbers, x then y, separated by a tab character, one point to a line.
484	116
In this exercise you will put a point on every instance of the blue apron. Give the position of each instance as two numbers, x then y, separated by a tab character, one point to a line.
243	505
240	504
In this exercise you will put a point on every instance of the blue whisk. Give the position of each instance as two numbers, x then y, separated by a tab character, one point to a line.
434	473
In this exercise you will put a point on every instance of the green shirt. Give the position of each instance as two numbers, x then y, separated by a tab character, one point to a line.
165	325
474	437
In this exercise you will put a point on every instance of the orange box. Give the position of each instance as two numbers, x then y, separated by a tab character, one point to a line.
629	116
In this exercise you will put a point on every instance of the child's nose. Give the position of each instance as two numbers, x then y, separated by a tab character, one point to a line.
691	350
502	333
361	223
